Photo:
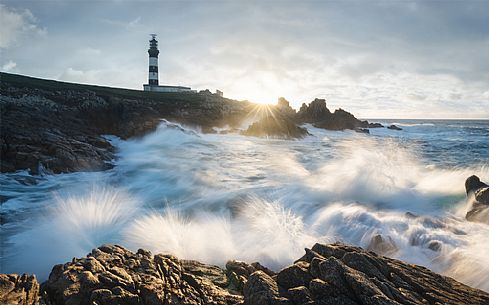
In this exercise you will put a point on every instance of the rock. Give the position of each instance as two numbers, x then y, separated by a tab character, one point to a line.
394	127
479	209
275	126
362	130
315	112
261	289
294	276
473	183
374	125
382	246
342	274
15	289
113	275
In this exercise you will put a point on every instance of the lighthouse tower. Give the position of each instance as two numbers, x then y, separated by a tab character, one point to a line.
153	84
153	61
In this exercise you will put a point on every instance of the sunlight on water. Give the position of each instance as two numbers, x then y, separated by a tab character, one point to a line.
220	197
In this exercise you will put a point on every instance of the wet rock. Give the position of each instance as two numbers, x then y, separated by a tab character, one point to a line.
479	210
113	275
15	289
382	246
362	130
394	127
374	125
261	289
276	126
294	276
342	274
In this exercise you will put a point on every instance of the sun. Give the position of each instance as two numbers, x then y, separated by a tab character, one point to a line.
261	87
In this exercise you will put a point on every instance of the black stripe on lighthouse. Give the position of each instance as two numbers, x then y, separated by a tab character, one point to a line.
153	61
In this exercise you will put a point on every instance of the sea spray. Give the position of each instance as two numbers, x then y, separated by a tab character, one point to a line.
219	197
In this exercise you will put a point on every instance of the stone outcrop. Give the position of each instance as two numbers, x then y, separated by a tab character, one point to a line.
326	274
114	275
342	274
15	289
394	127
275	126
479	210
318	114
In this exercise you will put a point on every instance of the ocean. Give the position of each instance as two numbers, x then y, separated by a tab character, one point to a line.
215	197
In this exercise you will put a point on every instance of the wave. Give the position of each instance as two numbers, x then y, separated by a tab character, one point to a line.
220	197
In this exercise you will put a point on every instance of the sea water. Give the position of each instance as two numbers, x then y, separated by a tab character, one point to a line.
215	197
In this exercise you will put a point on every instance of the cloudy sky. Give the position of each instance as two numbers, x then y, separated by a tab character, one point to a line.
399	59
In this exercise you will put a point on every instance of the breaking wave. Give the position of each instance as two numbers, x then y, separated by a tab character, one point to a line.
220	197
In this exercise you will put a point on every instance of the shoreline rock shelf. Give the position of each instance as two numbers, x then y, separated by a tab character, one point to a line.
326	274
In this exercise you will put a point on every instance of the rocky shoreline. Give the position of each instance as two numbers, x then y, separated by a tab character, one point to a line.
56	127
326	274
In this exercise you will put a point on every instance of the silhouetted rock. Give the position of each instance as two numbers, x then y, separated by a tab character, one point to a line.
15	289
373	125
275	126
315	112
394	127
362	130
318	114
382	245
479	210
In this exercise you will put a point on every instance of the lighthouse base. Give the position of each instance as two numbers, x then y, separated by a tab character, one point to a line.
154	88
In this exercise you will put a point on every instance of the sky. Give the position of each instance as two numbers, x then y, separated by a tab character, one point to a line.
376	59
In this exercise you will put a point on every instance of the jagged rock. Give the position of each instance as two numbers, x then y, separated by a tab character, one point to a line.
342	274
394	127
362	130
315	112
372	125
283	107
382	246
113	275
261	289
479	210
275	126
15	289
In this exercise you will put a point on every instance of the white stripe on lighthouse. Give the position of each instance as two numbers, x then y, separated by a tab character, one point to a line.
153	75
153	61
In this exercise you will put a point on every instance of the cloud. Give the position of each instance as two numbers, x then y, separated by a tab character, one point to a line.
16	23
9	66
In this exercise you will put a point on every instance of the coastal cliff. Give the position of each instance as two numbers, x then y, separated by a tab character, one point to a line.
326	274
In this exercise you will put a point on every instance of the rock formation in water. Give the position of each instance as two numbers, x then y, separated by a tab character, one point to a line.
326	274
479	210
394	127
318	114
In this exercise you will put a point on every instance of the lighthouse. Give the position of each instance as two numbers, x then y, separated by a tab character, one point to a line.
153	83
153	61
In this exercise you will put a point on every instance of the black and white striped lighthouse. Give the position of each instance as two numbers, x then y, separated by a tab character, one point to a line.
153	61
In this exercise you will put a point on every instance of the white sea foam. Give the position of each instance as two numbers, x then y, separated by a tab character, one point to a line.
220	197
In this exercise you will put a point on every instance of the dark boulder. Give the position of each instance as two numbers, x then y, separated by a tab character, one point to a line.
276	127
394	127
479	191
